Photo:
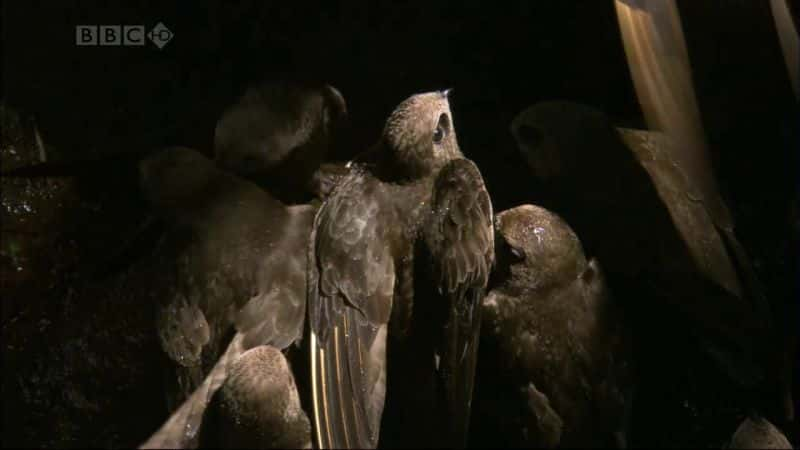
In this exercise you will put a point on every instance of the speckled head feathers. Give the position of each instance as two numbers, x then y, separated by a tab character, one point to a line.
550	251
420	133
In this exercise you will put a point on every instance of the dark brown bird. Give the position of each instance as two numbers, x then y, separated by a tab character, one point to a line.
279	133
399	259
758	433
229	275
258	405
670	253
555	368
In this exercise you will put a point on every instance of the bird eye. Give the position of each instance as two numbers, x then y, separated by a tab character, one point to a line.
438	135
441	129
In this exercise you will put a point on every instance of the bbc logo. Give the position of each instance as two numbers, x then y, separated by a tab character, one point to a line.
121	35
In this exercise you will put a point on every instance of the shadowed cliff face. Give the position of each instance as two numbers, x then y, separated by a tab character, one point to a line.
81	369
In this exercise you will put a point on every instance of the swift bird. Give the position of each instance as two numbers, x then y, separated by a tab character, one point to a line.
670	253
554	368
758	433
279	133
257	406
399	257
229	275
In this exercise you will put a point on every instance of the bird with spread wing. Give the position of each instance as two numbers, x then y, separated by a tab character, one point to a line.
399	259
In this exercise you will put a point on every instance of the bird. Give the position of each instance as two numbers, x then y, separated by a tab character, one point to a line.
756	432
670	254
555	366
229	274
278	133
257	406
399	257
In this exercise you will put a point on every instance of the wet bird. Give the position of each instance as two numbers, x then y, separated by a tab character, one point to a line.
669	252
399	259
279	133
257	405
554	368
229	275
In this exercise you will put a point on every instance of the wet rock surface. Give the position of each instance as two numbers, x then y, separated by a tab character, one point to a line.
79	358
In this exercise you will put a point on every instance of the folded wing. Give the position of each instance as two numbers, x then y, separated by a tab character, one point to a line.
350	287
459	236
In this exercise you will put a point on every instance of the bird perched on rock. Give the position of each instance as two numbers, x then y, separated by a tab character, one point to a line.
554	368
399	258
229	275
669	252
257	406
278	133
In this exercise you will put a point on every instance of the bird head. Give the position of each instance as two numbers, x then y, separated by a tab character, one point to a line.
536	248
420	135
258	405
278	132
561	140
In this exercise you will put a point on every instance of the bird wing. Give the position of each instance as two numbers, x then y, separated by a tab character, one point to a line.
240	261
351	277
276	314
691	218
459	233
705	224
201	294
459	238
736	307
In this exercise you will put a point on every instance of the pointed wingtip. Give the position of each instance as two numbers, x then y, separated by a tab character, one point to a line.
316	360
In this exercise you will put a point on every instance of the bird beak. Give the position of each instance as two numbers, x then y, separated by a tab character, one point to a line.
457	372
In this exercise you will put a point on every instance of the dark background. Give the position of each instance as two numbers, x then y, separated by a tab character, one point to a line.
95	102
